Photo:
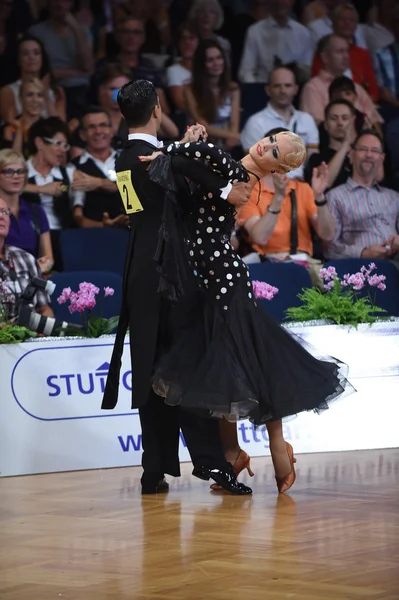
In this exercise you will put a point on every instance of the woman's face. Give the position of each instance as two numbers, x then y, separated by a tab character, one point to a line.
206	17
12	177
270	152
30	57
32	99
214	62
54	150
188	44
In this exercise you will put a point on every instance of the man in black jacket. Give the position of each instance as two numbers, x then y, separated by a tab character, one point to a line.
150	316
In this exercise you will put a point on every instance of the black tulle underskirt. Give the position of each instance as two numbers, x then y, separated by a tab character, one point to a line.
241	364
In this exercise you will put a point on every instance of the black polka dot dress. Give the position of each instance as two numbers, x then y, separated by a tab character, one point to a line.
231	357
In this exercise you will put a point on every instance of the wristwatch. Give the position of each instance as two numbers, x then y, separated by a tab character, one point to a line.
321	202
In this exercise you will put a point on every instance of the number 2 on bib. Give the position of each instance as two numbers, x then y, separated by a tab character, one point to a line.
128	194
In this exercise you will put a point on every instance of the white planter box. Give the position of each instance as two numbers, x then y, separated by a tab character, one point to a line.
51	394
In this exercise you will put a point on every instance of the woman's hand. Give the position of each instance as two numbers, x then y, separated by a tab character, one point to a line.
193	134
151	157
45	263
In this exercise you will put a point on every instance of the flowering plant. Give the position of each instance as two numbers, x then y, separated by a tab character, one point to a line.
10	333
83	301
264	290
340	301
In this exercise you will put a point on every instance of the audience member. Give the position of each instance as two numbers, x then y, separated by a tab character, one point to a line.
377	30
91	15
15	19
279	231
207	17
386	62
154	15
17	269
100	204
50	178
29	228
275	41
212	98
345	22
366	214
324	26
178	75
32	62
70	52
339	124
280	112
334	56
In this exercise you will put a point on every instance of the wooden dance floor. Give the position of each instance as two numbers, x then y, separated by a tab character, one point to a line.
91	536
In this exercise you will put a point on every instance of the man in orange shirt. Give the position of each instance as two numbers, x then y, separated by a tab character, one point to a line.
268	219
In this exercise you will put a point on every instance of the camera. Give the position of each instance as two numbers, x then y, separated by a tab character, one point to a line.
32	320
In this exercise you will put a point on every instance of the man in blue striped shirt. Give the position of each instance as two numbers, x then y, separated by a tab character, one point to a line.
366	214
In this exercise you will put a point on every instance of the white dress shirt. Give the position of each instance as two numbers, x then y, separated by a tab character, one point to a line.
46	200
265	41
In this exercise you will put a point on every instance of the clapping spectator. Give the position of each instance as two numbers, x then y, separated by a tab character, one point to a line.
29	228
212	98
32	62
69	48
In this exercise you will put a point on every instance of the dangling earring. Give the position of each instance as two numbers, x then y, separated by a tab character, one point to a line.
273	171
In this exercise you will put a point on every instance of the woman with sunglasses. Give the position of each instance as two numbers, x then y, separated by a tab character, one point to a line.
50	177
29	228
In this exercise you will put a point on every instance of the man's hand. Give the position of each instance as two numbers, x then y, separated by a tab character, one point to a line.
377	251
320	180
393	243
280	183
193	134
119	221
240	194
84	182
55	188
150	157
350	131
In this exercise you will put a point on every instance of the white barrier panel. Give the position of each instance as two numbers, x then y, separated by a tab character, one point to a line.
51	394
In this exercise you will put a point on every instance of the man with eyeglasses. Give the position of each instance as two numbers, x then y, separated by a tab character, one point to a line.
366	214
50	178
100	205
17	269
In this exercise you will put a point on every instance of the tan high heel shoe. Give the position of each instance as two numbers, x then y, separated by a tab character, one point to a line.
284	483
243	461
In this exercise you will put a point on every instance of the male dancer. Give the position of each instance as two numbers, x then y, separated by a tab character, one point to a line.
149	315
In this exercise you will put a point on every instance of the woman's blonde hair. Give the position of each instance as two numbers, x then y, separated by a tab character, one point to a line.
199	4
31	81
9	156
293	160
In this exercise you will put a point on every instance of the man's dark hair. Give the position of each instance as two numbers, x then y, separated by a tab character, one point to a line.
275	131
324	43
337	102
341	84
369	131
136	100
94	110
46	128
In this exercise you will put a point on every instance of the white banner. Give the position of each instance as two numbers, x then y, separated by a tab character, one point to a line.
51	393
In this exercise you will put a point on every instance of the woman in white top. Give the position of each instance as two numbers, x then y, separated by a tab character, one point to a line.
179	74
33	62
207	16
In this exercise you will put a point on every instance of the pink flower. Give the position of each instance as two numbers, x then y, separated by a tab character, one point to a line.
108	291
329	273
65	295
357	281
88	288
375	280
382	286
264	290
329	285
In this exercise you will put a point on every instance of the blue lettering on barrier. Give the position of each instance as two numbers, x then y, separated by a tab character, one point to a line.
131	443
74	383
53	385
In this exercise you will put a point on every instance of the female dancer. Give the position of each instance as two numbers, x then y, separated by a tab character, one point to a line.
232	357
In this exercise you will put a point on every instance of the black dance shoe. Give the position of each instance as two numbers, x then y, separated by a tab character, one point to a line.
154	487
225	478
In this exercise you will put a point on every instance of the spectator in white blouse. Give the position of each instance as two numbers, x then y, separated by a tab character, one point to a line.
275	41
179	74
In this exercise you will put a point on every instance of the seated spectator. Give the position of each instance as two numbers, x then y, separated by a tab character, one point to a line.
100	204
324	25
345	22
32	62
339	124
91	15
178	75
130	37
268	219
280	112
366	214
70	52
32	101
207	18
343	88
212	98
154	15
316	9
386	62
49	180
377	29
17	269
277	40
334	56
15	19
29	228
